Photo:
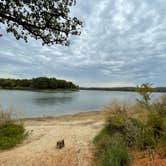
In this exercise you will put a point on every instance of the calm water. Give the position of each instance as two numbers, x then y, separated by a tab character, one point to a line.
37	104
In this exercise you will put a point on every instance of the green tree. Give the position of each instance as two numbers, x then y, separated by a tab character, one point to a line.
37	83
48	20
145	90
40	83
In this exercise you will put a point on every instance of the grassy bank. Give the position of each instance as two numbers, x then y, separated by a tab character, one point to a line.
11	133
131	129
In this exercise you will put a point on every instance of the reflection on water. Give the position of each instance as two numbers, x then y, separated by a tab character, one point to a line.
52	100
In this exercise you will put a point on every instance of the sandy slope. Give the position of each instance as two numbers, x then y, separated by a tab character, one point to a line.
39	149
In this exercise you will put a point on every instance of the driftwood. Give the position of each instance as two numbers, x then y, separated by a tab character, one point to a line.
60	144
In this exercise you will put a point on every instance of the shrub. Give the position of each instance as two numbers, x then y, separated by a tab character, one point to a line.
131	132
160	105
11	135
145	138
155	123
111	152
143	130
145	91
116	117
116	124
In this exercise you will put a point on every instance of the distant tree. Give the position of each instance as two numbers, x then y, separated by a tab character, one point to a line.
40	83
47	20
36	83
145	90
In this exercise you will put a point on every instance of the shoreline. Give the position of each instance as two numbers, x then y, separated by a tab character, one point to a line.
94	115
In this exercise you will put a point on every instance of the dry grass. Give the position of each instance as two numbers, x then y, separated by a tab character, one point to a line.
139	128
5	116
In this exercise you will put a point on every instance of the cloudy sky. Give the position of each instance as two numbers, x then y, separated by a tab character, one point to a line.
123	42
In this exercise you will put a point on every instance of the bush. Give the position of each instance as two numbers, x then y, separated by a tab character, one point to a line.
11	135
134	128
160	105
111	152
156	124
131	132
144	139
138	133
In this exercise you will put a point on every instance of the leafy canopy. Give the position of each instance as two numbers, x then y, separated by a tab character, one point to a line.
47	20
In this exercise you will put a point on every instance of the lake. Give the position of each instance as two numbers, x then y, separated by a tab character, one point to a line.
39	104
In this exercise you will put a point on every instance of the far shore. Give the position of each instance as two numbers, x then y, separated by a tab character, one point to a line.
113	89
41	90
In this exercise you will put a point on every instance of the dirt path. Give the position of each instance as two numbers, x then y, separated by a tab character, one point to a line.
39	149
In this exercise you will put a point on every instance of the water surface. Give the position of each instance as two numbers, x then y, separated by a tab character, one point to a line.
38	104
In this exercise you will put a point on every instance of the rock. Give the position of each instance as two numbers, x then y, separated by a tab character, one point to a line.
60	144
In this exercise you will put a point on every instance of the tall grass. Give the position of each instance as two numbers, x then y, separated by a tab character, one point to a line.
11	133
5	116
129	128
112	152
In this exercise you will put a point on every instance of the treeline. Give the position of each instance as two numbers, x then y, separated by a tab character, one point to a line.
109	89
36	83
128	89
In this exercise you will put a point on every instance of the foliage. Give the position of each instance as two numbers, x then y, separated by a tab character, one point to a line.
111	152
156	122
145	91
118	155
36	83
160	105
48	20
104	133
126	131
11	135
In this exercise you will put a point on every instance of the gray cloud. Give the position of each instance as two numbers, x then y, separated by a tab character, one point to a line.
122	42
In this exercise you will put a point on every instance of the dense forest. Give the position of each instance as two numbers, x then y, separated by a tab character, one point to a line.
36	83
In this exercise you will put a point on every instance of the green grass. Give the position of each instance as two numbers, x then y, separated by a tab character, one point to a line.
11	135
117	154
111	150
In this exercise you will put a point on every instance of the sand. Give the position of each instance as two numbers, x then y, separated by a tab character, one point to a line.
78	131
39	149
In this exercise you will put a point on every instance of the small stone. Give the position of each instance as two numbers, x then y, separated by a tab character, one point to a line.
60	144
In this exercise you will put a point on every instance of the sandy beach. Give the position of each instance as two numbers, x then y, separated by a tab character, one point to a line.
39	149
78	131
